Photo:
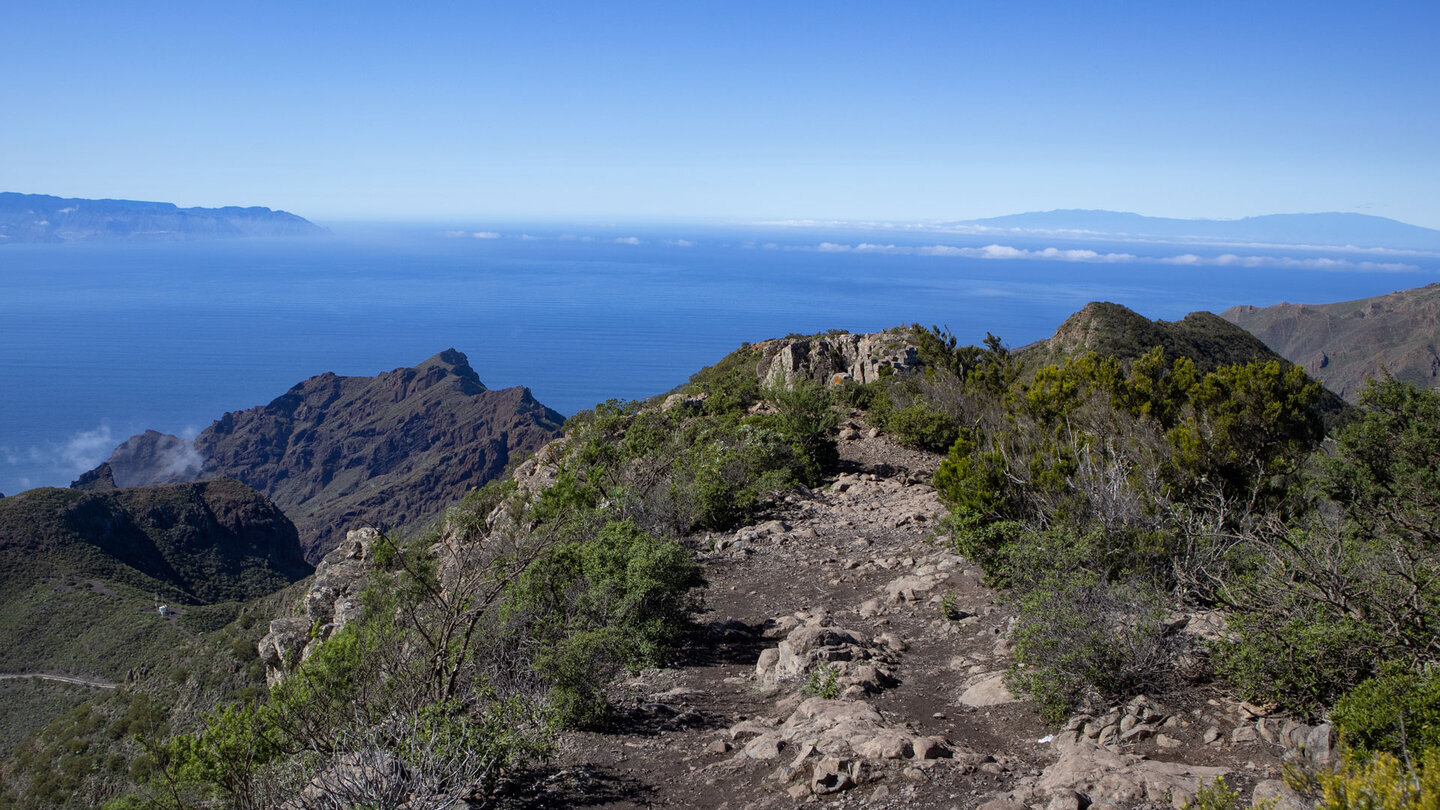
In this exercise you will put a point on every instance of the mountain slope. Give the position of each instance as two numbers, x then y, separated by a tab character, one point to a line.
337	453
80	571
1361	230
205	542
1207	339
1344	344
43	218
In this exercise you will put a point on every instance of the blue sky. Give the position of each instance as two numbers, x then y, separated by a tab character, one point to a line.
738	111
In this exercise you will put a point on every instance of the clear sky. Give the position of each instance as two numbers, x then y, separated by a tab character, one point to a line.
746	111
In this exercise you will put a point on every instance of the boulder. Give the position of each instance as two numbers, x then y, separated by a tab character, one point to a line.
989	690
1123	779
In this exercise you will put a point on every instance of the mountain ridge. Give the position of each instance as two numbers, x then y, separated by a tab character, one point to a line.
46	218
1337	229
1345	343
339	452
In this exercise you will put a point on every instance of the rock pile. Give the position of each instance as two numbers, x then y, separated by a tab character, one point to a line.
833	745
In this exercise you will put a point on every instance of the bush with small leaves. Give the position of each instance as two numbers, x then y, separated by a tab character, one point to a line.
1397	712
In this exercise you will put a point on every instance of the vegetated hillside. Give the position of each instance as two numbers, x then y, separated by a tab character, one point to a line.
81	573
1340	229
83	569
1346	343
339	452
969	578
1113	330
43	218
78	744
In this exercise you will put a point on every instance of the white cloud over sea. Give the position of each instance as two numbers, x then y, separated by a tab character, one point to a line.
1008	252
79	452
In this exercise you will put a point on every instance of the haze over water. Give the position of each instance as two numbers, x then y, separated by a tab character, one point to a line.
100	341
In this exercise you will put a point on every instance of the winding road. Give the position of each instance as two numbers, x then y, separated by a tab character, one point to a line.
98	684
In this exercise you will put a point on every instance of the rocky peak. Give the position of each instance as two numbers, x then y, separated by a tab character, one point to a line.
97	480
335	452
152	458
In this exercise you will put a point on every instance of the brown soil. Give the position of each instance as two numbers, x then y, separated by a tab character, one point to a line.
831	551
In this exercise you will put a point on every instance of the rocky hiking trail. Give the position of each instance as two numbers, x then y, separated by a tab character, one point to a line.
849	657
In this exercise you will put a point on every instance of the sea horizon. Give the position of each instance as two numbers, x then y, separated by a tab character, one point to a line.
106	339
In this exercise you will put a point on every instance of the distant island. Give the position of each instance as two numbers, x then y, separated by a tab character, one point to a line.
1329	229
43	218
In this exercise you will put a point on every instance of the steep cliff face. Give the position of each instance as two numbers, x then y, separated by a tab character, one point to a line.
1346	343
337	453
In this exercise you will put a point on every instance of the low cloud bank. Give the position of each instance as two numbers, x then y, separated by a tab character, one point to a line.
1095	257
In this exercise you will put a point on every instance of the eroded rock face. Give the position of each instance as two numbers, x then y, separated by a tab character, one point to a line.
336	452
1346	343
830	359
332	601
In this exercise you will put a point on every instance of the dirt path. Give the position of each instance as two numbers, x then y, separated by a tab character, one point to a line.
849	593
860	555
98	684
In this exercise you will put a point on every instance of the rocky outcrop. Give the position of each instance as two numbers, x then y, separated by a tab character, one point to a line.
331	602
1346	343
1097	777
833	745
832	658
832	358
339	452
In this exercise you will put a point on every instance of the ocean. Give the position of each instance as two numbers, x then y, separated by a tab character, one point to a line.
99	341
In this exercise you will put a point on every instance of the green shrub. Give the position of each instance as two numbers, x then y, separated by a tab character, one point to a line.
1078	635
864	396
984	542
1382	783
923	428
824	683
807	420
1299	658
618	599
1215	795
972	479
1397	712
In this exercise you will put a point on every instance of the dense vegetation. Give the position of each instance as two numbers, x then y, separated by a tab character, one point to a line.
1116	499
484	636
101	741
